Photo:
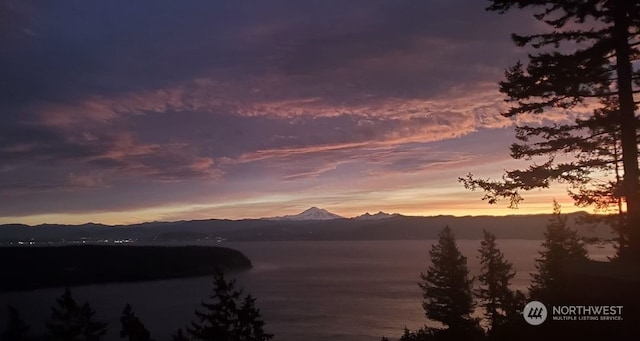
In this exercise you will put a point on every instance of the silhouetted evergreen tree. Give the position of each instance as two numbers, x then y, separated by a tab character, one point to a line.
446	289
179	336
561	244
132	327
495	277
230	315
513	324
70	321
587	56
17	329
422	334
503	306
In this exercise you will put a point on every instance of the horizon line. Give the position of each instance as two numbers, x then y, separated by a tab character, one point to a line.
276	218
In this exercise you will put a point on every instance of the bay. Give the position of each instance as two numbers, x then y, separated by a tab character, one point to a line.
306	290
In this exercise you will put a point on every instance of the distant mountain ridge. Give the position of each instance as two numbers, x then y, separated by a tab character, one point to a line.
379	215
313	213
365	227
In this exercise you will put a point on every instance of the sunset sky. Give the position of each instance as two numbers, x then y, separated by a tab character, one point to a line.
129	111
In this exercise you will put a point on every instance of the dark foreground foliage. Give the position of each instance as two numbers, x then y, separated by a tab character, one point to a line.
586	56
565	277
132	327
446	286
17	329
41	267
228	316
71	321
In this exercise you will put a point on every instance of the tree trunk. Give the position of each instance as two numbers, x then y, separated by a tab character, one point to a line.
631	185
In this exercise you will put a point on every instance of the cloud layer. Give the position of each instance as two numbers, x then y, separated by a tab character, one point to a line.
120	106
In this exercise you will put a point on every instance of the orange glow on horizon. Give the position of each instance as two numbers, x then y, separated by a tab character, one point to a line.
242	211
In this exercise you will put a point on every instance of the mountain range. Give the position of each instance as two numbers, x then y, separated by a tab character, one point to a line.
312	224
315	213
376	216
312	213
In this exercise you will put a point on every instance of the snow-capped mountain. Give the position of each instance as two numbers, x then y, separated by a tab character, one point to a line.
379	215
312	213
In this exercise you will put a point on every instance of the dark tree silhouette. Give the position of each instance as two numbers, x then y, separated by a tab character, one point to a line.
422	334
132	328
229	315
588	59
561	244
446	288
494	293
179	336
17	329
70	321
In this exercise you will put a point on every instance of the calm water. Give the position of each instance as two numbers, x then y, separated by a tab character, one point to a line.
337	290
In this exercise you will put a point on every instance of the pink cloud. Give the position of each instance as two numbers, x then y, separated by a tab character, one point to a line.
85	180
